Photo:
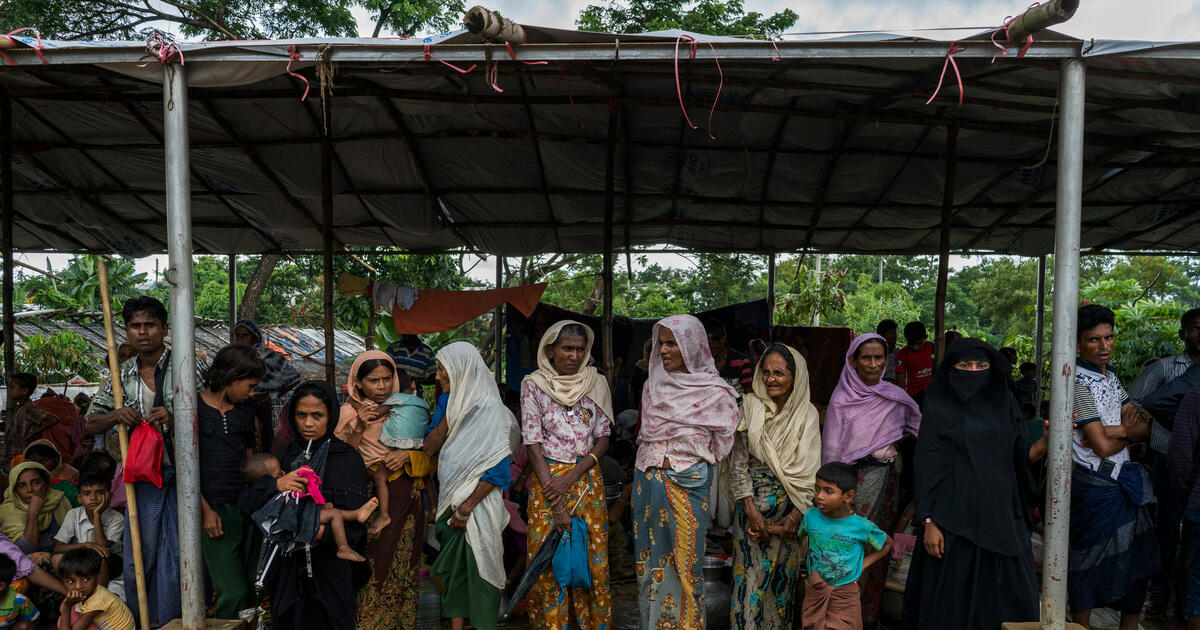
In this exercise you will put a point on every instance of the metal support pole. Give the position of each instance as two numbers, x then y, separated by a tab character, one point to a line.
6	180
232	295
771	296
816	316
183	342
944	243
609	201
499	317
1040	328
1062	345
327	235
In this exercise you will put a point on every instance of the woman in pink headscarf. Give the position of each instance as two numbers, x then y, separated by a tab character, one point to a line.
689	415
867	416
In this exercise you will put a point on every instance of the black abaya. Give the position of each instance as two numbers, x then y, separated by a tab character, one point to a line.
326	600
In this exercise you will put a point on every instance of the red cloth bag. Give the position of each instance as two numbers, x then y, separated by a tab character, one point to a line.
143	462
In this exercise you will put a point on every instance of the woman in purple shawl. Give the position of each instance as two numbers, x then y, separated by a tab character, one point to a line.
867	416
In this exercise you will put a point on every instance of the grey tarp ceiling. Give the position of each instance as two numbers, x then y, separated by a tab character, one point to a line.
819	145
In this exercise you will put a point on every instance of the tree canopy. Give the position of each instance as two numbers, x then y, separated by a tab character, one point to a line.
712	17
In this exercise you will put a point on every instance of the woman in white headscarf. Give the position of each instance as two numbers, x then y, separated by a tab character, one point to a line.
772	471
473	470
689	414
566	413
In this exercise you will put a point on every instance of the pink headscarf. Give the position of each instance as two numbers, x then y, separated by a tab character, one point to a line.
696	402
863	419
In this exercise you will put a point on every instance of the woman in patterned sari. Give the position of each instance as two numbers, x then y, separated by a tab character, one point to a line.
867	418
772	473
566	411
689	414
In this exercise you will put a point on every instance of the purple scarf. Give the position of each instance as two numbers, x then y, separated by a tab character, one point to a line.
862	419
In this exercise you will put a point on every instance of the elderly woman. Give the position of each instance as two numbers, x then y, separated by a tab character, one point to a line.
772	471
320	597
566	410
867	418
689	414
32	511
389	600
973	567
480	434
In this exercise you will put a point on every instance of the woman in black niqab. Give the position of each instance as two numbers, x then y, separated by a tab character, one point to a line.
326	598
973	565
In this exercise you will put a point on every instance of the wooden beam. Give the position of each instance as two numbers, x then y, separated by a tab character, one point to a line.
537	150
6	201
944	244
327	237
826	179
610	194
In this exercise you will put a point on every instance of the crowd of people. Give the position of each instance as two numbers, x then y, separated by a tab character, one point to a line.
330	514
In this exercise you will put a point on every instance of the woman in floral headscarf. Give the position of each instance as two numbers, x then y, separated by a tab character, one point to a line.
689	414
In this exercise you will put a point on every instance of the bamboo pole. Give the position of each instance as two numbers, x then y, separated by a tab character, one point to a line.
114	370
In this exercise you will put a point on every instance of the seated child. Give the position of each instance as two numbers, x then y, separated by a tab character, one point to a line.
405	427
836	537
88	603
93	525
262	465
16	611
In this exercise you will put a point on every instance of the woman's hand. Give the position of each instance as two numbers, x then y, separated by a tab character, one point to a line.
562	519
395	460
558	487
371	413
36	503
757	525
454	521
935	542
291	482
212	523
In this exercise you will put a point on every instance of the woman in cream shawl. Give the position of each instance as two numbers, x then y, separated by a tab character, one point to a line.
32	511
480	436
565	422
773	467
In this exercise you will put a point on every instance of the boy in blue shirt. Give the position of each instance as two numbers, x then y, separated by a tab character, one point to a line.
836	540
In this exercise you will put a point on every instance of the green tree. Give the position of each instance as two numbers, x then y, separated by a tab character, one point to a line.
706	16
224	19
57	358
873	301
77	287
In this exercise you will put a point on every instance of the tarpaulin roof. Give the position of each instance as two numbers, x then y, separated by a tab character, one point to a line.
448	142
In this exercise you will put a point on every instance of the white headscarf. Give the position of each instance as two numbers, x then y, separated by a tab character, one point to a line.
569	389
481	433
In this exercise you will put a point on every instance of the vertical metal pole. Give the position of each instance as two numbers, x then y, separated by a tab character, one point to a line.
499	317
1040	327
944	242
816	316
880	270
232	295
1062	345
183	342
771	296
327	234
6	180
609	201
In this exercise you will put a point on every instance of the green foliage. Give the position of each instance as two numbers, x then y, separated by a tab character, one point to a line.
1146	328
223	19
871	302
711	17
77	287
57	358
810	294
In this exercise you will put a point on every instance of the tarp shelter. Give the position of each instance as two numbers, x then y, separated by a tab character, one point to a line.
575	142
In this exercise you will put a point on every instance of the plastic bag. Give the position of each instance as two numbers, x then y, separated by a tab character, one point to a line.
143	462
571	558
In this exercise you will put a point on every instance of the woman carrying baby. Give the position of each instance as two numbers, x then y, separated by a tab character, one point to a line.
370	418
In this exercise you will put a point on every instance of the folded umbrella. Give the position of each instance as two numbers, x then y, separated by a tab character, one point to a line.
537	566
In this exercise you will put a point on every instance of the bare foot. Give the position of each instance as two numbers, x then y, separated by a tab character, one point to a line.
363	513
346	553
380	523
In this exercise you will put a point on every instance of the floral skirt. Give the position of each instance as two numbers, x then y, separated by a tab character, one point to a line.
764	574
552	607
670	522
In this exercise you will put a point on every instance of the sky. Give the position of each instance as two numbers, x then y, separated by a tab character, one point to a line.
1160	20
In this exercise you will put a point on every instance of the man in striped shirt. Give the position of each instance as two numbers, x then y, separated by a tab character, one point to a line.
1170	509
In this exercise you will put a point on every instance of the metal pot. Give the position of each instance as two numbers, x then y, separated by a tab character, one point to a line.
717	591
